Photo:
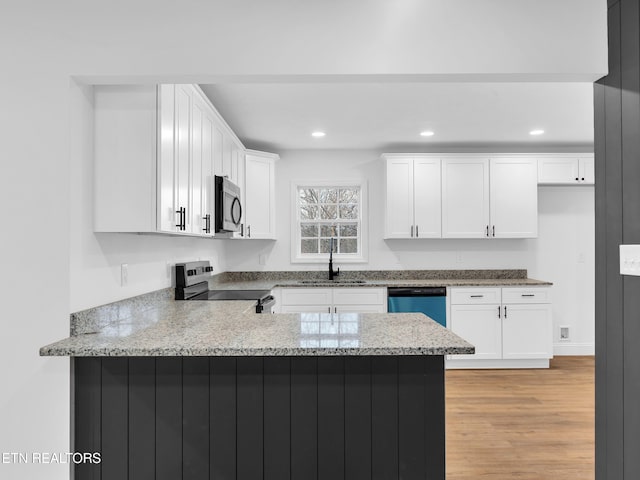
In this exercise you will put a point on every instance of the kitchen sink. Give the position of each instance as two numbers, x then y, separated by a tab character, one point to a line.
331	282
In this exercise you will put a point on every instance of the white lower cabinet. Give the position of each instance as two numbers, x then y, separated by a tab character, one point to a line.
333	300
480	326
510	327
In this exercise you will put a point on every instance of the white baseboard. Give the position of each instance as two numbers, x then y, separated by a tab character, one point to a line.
567	348
453	363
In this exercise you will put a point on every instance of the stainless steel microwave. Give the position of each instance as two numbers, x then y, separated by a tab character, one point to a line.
228	205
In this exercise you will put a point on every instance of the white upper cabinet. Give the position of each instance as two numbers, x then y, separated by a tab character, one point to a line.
427	197
157	149
399	204
566	170
259	204
513	198
413	208
489	198
202	167
451	196
465	197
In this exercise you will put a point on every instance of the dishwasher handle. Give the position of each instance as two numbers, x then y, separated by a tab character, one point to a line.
417	291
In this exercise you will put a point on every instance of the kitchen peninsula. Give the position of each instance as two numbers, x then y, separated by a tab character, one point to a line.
212	390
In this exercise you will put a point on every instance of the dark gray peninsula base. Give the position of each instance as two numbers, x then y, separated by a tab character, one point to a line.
271	418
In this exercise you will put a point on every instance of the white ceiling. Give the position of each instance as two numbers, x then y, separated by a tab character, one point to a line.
390	116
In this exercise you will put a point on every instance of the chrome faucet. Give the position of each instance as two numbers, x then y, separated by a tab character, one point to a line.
332	273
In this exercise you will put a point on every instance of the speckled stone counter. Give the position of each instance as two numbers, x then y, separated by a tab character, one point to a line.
373	278
231	328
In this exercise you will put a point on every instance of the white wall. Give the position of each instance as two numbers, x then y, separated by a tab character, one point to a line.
563	253
44	43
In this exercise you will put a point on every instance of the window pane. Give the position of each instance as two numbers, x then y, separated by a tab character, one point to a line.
349	211
328	231
309	246
324	245
308	195
349	230
309	230
308	212
349	195
348	245
328	212
328	195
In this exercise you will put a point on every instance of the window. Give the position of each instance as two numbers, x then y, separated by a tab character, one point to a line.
323	212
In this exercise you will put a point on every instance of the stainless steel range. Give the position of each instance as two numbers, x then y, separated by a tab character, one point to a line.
192	284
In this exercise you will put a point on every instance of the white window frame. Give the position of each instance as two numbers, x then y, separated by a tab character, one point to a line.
296	255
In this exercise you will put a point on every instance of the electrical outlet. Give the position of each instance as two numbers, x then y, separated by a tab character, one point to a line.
630	260
124	274
564	332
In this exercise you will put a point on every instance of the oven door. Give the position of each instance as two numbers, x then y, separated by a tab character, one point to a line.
229	207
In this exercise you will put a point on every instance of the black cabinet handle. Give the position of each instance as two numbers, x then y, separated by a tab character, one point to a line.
207	223
505	311
499	311
411	231
182	222
487	230
528	295
249	231
583	179
576	179
417	233
493	230
477	296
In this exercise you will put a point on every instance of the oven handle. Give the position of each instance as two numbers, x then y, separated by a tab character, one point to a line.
265	304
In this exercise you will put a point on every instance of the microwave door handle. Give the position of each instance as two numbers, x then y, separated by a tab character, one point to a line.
233	219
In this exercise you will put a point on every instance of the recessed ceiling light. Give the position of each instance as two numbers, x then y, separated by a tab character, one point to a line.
318	134
536	132
427	133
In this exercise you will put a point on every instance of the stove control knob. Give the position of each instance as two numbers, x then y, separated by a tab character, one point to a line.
208	269
190	273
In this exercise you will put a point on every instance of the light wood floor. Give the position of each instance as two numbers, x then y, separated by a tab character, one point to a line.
522	424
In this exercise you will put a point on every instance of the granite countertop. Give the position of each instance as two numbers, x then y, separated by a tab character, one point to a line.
156	325
378	278
231	328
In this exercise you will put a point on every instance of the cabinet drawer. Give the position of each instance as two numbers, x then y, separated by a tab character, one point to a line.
475	296
358	296
306	296
526	295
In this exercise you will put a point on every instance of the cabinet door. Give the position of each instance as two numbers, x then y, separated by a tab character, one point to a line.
527	331
399	209
465	197
183	154
227	154
167	218
202	159
514	198
197	191
259	203
481	326
560	170
586	170
427	201
208	172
